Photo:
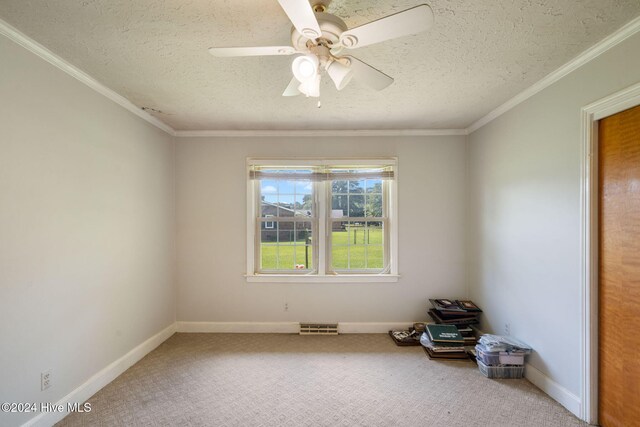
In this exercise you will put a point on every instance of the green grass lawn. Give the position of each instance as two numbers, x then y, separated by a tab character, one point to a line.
355	248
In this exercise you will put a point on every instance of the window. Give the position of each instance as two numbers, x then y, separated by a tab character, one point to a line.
321	220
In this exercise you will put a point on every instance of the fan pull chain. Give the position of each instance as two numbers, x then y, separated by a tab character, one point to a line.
319	104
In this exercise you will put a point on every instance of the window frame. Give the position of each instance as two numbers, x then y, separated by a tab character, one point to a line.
321	271
266	223
384	219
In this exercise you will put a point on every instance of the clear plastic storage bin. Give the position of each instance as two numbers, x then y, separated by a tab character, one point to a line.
487	358
500	371
492	358
507	358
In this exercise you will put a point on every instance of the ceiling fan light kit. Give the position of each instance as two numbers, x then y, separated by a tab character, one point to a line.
320	37
311	87
305	67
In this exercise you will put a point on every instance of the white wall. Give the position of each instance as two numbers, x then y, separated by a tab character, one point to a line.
524	186
211	212
86	230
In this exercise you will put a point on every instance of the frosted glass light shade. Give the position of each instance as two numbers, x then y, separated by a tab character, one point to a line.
305	67
311	87
340	74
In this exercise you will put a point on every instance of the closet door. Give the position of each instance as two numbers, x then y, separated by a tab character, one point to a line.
619	269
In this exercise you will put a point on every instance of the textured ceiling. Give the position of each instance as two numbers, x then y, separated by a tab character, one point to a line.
154	52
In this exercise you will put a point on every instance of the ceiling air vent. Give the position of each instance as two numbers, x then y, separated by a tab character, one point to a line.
318	329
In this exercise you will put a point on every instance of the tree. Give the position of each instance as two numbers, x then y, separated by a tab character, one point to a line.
307	202
353	204
374	200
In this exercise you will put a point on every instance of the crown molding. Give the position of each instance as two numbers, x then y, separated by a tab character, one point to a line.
31	45
318	132
591	53
596	50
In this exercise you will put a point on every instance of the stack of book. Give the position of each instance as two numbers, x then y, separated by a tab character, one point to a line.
443	342
460	313
405	337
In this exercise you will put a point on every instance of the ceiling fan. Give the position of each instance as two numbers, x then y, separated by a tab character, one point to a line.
320	38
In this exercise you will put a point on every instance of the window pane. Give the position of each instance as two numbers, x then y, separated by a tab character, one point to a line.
303	205
303	233
268	235
286	235
286	240
286	187
359	234
339	245
375	234
374	186
339	206
269	205
304	187
375	257
339	233
356	186
285	204
356	205
268	186
373	205
286	258
269	245
288	246
339	257
357	245
357	255
339	187
304	257
268	257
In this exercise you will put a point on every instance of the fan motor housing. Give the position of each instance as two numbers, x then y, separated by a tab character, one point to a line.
331	27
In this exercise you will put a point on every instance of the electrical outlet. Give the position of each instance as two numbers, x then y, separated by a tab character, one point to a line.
507	329
45	380
286	306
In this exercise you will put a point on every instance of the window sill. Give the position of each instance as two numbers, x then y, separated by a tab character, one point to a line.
343	278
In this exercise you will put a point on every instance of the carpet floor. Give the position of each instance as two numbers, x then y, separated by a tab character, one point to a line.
292	380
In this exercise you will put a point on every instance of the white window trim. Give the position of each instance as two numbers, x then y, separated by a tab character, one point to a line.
321	276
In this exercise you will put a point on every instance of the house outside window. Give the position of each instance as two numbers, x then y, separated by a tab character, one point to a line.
320	220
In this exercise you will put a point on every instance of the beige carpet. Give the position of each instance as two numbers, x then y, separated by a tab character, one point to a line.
291	380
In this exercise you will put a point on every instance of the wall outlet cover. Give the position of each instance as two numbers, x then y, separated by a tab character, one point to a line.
45	380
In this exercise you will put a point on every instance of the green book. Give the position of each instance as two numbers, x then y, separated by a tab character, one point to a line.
441	333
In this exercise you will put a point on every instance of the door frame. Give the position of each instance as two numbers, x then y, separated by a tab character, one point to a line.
590	114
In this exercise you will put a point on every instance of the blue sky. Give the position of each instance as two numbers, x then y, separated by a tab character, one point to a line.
272	186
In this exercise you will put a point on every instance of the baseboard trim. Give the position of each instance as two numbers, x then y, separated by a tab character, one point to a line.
102	378
557	392
553	389
240	327
284	327
371	327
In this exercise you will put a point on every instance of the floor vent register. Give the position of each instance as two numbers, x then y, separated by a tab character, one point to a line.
318	329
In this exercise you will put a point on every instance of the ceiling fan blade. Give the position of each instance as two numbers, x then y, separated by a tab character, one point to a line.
410	21
369	75
251	51
302	17
292	88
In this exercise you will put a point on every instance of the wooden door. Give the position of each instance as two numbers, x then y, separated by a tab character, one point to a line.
619	269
